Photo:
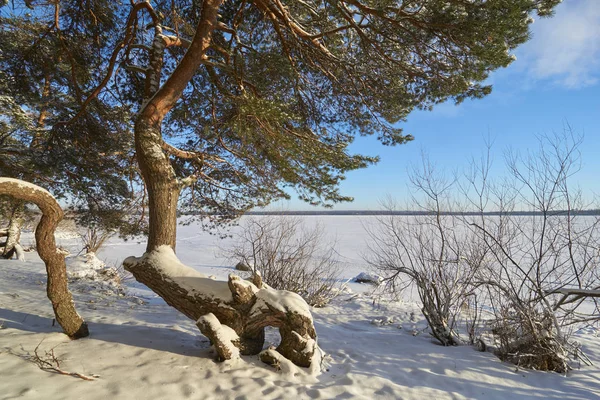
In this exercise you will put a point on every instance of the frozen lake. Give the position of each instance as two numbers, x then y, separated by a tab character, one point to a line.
201	249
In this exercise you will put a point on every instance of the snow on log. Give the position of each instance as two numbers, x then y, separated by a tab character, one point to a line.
237	303
570	295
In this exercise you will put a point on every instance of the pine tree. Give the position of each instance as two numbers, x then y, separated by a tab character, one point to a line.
45	64
234	102
244	99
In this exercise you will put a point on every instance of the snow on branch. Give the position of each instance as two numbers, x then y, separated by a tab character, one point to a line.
576	292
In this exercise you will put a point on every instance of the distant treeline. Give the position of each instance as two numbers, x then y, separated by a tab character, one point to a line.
408	213
71	213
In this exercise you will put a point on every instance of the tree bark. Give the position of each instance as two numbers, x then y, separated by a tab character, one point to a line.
170	92
161	183
57	290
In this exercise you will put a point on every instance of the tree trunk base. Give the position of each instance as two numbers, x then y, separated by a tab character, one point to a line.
232	313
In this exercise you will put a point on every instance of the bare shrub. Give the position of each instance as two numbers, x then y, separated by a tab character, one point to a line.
526	269
122	275
539	266
426	251
94	237
287	255
102	221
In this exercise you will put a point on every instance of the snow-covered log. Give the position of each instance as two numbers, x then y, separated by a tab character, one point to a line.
57	290
572	295
238	304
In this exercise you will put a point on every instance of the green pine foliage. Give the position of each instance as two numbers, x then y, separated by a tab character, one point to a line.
284	89
45	72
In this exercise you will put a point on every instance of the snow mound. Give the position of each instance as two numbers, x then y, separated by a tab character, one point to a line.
88	268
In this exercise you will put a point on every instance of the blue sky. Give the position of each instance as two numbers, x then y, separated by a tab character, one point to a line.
553	82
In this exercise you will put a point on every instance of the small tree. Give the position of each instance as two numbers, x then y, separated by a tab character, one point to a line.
288	255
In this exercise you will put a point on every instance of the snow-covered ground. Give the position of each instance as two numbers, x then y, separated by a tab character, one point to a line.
141	348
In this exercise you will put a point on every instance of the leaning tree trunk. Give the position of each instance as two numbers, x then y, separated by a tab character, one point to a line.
237	304
12	245
162	183
58	292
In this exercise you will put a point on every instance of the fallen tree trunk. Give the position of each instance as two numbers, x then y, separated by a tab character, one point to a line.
576	292
58	292
237	304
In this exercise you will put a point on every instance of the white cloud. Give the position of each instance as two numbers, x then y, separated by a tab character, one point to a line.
566	48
